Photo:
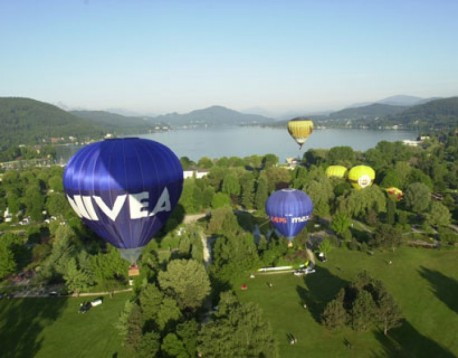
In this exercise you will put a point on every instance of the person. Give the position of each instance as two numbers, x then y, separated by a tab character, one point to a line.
305	306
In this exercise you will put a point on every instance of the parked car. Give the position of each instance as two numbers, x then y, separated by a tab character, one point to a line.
96	302
84	307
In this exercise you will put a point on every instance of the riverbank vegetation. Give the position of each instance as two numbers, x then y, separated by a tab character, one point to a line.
44	244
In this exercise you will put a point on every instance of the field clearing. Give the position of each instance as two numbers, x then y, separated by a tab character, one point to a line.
52	327
424	283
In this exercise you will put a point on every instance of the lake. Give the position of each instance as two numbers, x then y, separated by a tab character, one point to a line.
245	141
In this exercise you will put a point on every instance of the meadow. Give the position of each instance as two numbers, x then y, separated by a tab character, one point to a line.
424	282
53	327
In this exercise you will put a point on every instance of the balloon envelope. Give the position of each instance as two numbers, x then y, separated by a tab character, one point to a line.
300	129
124	189
394	193
361	176
289	211
337	171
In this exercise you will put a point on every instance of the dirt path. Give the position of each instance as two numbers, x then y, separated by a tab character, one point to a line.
191	218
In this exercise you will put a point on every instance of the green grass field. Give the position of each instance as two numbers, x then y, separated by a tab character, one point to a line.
52	327
423	282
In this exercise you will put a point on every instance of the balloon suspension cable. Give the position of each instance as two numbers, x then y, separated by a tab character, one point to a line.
265	222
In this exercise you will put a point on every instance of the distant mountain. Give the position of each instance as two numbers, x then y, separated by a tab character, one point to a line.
211	116
435	114
27	121
402	100
116	123
371	111
398	100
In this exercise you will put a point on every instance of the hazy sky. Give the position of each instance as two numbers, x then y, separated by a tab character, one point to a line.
152	56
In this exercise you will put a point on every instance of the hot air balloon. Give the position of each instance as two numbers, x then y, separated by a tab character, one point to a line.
124	190
361	176
337	171
289	211
394	193
300	129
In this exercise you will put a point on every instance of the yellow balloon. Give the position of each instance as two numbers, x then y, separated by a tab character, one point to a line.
300	129
361	176
336	171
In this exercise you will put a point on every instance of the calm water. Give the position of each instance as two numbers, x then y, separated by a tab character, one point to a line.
245	141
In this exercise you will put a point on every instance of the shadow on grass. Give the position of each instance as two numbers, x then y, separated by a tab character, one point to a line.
21	322
406	341
444	287
322	288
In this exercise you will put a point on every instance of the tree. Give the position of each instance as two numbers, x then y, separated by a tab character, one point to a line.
341	155
363	311
188	332
248	190
341	223
439	215
187	198
205	163
261	194
390	211
222	221
76	280
238	330
277	178
134	328
359	202
149	345
187	163
174	347
57	204
325	247
108	266
269	160
233	254
7	262
386	235
321	193
186	281
417	197
334	315
158	308
220	200
388	312
231	185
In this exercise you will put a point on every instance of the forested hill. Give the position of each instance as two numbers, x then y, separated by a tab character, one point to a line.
116	123
27	121
214	115
374	110
436	114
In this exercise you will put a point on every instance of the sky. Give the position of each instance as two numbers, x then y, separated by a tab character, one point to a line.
273	57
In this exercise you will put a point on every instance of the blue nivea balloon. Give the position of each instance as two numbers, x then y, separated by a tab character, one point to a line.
289	211
124	190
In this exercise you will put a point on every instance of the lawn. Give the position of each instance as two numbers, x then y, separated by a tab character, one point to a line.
52	327
424	282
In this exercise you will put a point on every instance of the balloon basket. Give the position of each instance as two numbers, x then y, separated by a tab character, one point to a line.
134	270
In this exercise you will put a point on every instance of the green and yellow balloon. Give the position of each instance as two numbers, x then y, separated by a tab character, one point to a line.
361	176
337	171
